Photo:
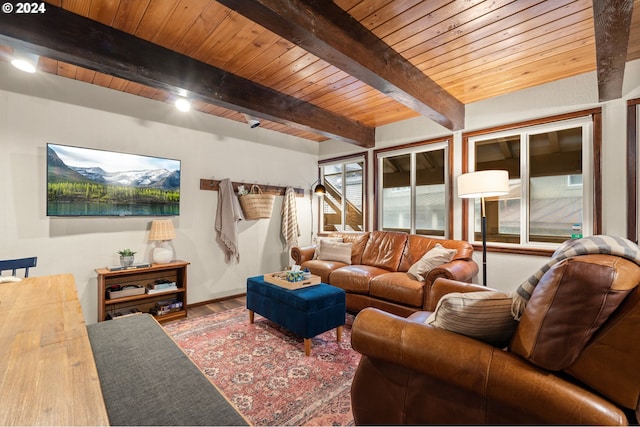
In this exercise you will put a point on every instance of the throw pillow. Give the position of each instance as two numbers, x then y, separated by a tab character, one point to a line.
318	240
438	255
334	251
483	315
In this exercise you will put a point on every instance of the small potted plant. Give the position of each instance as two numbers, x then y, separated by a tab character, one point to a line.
126	257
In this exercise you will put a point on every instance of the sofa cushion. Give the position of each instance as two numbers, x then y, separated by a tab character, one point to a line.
322	268
437	256
358	241
397	287
571	301
355	278
418	245
384	249
334	251
484	315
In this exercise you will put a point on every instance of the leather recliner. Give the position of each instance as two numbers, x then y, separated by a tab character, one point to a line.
573	359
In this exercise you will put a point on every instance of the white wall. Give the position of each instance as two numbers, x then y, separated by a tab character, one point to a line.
41	108
507	271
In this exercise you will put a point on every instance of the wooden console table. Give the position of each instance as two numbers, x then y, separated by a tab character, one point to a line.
48	374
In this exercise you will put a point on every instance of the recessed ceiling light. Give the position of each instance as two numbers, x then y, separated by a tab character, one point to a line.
27	62
183	104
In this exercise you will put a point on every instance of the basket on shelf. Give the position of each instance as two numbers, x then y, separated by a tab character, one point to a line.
255	204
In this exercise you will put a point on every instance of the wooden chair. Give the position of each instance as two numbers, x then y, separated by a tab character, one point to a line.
16	264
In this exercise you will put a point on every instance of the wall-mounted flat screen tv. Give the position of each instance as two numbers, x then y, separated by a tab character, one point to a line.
90	182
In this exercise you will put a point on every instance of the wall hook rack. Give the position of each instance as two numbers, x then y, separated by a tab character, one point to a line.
214	185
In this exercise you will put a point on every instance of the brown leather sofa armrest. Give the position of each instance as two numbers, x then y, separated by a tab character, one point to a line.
420	347
442	286
462	270
302	254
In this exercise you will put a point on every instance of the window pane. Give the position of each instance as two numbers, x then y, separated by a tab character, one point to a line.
430	193
354	192
509	213
503	213
332	200
344	192
396	193
555	185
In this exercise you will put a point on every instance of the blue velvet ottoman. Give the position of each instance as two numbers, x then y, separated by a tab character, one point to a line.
306	312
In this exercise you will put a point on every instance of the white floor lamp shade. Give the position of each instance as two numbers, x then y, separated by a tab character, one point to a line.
481	184
162	231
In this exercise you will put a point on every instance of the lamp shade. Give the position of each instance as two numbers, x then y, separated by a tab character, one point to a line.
319	190
486	183
162	229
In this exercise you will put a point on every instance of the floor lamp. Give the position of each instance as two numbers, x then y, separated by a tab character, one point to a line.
482	184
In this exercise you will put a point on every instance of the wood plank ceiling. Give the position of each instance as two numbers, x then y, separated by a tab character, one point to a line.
320	70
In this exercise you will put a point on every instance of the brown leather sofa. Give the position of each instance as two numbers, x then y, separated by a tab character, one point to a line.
377	276
574	358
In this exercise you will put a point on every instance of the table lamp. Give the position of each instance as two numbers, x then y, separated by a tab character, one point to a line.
161	232
482	184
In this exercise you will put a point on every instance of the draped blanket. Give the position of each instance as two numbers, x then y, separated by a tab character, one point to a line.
228	214
601	244
289	214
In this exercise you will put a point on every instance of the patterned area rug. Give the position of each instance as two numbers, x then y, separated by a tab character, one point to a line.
263	371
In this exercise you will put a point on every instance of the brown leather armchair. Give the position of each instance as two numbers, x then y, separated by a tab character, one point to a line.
574	358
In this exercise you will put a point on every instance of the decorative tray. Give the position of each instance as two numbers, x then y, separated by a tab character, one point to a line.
280	279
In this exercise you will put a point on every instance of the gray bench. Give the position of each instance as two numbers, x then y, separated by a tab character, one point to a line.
146	379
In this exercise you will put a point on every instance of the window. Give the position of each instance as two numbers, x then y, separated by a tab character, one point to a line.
344	201
551	182
413	190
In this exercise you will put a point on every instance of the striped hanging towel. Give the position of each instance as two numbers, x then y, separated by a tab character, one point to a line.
290	227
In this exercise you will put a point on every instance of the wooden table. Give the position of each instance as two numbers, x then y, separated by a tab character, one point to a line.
47	372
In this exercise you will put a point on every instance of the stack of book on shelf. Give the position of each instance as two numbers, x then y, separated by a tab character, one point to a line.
161	286
166	306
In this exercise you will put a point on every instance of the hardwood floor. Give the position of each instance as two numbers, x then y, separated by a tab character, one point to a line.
217	306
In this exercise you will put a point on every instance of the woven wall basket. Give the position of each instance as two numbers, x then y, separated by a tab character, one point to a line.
257	205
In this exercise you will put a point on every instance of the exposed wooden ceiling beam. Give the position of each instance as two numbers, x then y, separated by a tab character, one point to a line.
612	20
67	37
324	29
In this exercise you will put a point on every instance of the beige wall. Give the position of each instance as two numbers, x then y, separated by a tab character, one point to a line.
37	109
